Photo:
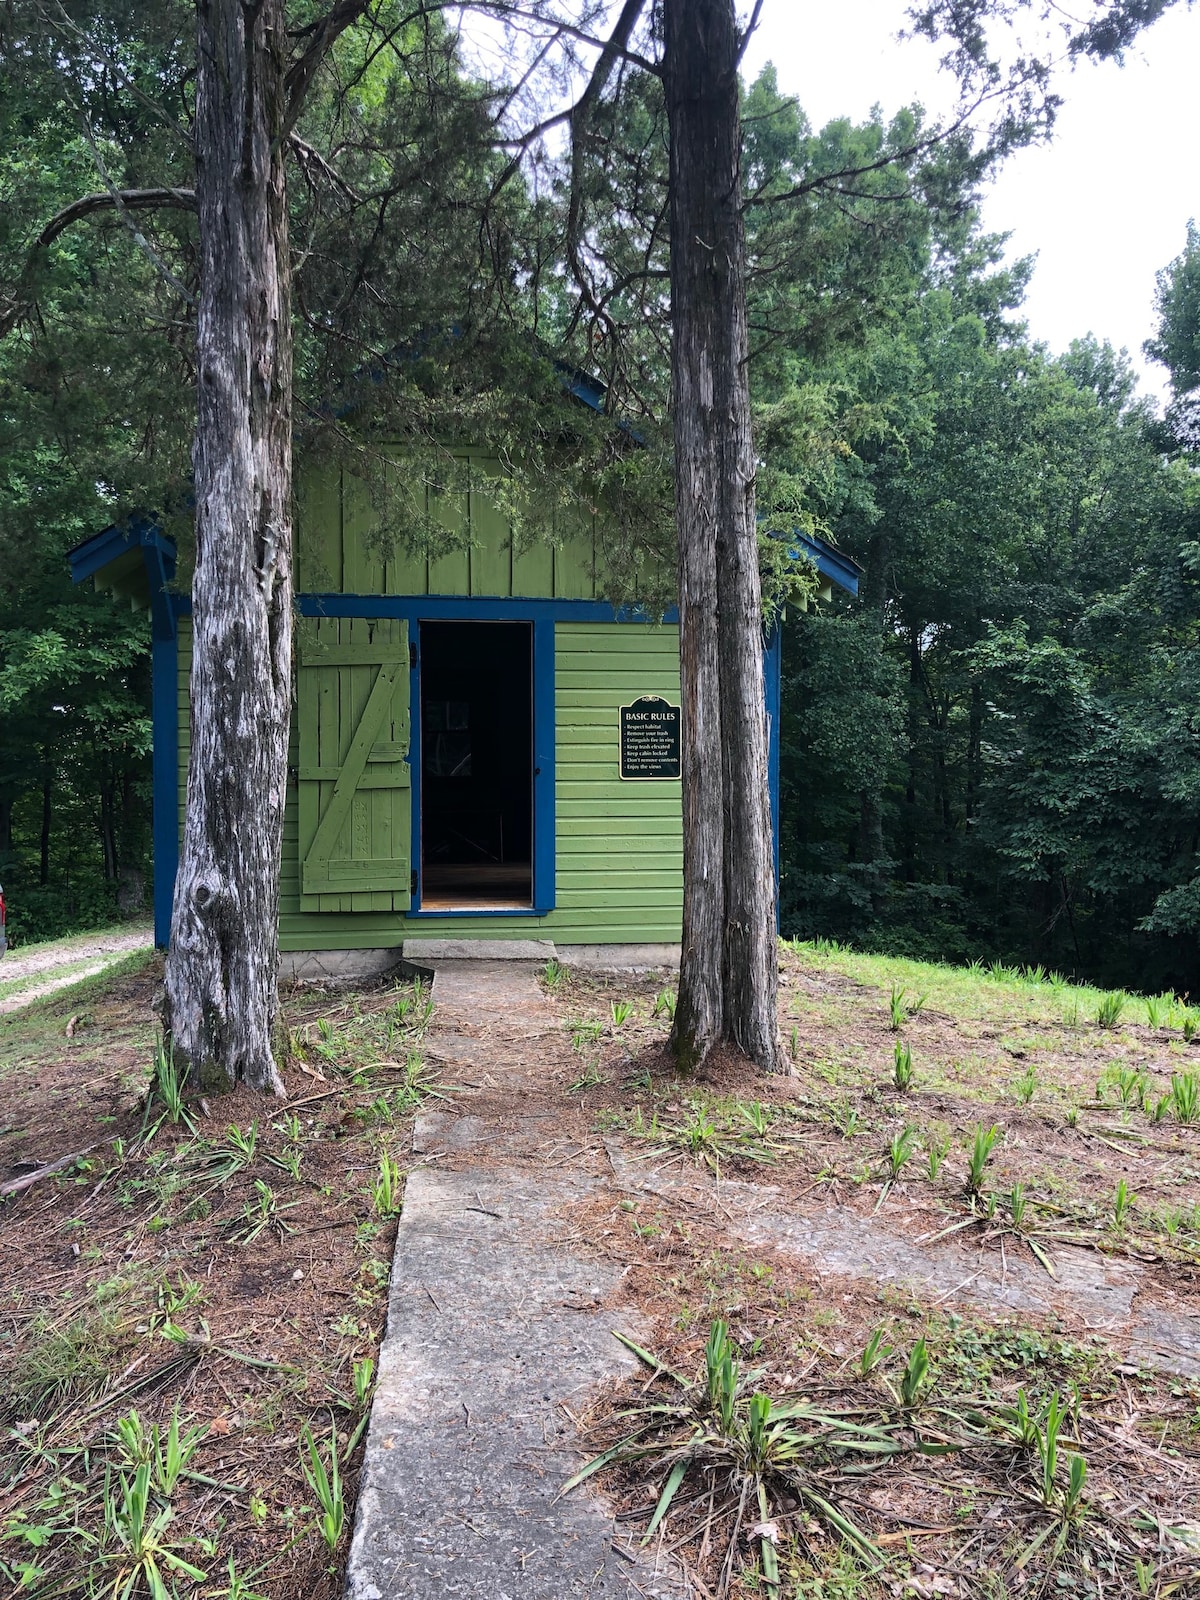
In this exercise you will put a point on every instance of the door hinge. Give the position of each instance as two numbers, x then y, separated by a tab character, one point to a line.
412	656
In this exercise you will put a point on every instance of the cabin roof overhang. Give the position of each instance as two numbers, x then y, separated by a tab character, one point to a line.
132	560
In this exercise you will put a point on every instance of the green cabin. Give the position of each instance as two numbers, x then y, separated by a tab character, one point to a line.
481	745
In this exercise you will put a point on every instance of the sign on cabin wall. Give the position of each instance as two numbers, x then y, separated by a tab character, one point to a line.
649	738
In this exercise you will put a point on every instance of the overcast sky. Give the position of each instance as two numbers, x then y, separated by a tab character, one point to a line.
1103	206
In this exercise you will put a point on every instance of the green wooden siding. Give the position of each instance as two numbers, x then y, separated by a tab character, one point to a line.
337	554
619	850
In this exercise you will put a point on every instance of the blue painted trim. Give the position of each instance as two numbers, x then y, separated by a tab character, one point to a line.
543	749
466	608
437	916
833	564
96	552
415	762
164	668
772	687
544	758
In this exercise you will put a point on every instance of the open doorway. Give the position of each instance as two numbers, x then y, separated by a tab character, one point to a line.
476	766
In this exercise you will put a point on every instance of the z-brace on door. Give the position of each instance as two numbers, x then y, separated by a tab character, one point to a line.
355	787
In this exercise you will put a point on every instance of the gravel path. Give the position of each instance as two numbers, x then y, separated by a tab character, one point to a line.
54	967
71	951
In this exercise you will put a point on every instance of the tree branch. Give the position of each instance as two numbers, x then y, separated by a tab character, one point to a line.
322	35
109	200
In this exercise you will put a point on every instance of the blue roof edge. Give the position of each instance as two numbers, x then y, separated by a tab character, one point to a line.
99	549
833	564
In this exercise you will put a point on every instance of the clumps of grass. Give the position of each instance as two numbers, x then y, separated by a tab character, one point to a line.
261	1213
326	1483
1111	1008
590	1078
740	1454
585	1032
709	1135
979	1155
1122	1205
621	1011
664	1005
165	1095
937	1148
1185	1097
387	1192
901	1007
553	975
167	1454
898	1154
1026	1085
902	1070
67	1363
1064	1501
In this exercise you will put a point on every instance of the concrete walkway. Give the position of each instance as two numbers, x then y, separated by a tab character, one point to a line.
495	1335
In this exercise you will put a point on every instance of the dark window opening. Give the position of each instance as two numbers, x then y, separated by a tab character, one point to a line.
476	766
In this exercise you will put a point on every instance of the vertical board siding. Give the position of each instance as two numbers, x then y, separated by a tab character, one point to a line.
355	811
338	552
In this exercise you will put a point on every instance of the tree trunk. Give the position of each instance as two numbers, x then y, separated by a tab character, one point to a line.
728	970
221	972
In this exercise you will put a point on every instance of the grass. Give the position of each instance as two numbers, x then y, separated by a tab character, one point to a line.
223	1275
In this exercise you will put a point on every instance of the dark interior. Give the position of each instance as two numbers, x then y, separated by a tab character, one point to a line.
476	765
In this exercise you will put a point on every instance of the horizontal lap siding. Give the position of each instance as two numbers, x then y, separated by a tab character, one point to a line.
619	844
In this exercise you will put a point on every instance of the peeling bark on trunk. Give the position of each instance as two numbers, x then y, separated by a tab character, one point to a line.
221	972
728	971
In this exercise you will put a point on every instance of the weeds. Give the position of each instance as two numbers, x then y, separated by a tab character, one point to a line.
621	1010
326	1484
584	1033
902	1072
1185	1097
874	1355
979	1156
166	1455
362	1375
262	1212
747	1453
901	1150
1111	1008
1026	1085
897	1008
166	1090
664	1005
553	975
936	1151
387	1193
1122	1202
133	1545
590	1078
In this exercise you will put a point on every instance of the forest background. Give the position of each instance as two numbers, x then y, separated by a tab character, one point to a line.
994	753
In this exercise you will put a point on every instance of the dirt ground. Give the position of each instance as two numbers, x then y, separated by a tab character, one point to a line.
231	1271
239	1279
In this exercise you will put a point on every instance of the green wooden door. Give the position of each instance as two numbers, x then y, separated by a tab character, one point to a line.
355	806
